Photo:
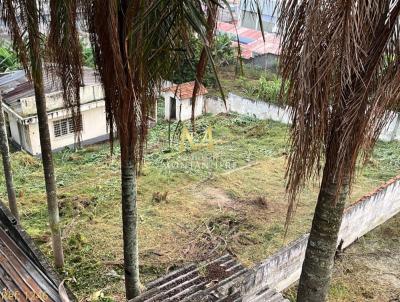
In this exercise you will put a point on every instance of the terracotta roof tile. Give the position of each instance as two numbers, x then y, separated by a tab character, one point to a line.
185	90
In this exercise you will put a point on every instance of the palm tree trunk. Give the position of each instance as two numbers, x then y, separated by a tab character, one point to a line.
5	152
45	143
130	227
319	260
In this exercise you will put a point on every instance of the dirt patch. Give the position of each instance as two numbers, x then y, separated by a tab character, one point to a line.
215	272
217	197
259	202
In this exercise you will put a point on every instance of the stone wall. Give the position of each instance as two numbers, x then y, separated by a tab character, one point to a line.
264	110
283	268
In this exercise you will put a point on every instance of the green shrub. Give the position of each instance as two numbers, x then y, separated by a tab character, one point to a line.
265	89
268	90
8	58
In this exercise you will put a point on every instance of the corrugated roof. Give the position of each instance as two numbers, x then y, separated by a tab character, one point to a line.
23	274
16	86
20	277
9	81
185	90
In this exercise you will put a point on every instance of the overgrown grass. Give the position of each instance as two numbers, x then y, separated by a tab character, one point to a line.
230	198
253	83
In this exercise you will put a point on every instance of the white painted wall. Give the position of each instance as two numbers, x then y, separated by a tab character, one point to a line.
216	105
264	110
14	129
94	128
183	107
257	109
55	100
392	131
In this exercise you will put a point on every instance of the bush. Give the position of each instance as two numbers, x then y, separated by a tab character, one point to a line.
269	90
265	89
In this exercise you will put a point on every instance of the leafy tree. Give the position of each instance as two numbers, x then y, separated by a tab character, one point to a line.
222	53
8	58
88	57
340	60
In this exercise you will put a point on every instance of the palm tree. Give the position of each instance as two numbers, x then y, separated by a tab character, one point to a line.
5	153
23	16
340	63
135	47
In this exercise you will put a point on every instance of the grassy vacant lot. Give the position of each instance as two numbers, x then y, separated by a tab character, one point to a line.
192	205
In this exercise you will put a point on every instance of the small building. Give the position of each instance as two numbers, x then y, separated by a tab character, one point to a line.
257	49
21	118
178	101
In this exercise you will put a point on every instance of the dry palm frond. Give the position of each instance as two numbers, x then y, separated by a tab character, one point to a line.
202	64
15	19
340	61
137	45
64	52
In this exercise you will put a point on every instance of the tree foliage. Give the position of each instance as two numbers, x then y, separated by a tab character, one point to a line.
340	61
222	53
8	58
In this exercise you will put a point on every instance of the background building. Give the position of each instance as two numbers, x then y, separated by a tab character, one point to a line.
21	118
248	16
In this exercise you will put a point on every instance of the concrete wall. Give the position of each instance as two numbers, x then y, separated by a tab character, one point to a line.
14	129
283	268
264	110
258	109
183	107
392	131
94	128
266	61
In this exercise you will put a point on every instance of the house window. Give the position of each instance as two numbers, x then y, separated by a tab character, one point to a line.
65	126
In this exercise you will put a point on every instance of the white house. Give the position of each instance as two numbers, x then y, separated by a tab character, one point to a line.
21	119
178	101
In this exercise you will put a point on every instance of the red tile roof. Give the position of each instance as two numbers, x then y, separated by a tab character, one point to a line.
185	90
258	46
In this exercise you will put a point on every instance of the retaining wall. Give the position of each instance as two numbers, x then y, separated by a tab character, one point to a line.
265	110
283	269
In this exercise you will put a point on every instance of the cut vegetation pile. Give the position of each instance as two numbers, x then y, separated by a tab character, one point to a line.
192	205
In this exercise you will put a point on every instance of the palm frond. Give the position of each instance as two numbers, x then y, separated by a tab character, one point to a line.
340	62
14	17
64	53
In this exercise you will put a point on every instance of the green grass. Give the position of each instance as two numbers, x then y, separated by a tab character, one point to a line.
212	205
246	83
